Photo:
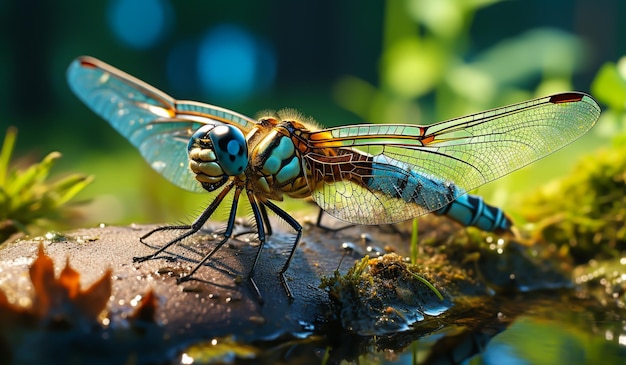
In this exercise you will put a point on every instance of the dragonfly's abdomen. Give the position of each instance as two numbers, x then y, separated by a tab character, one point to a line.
394	178
471	210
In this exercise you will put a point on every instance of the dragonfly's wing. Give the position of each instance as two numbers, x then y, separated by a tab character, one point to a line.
371	174
155	123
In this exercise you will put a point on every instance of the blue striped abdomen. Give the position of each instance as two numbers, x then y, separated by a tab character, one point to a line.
471	210
396	179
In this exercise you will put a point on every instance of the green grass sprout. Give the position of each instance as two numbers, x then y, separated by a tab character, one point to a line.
27	198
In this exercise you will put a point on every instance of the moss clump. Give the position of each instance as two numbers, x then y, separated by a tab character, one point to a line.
586	210
384	295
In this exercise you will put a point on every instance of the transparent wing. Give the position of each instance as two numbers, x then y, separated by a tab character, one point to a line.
372	174
155	123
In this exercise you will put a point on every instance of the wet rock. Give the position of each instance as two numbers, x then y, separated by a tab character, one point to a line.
87	294
219	303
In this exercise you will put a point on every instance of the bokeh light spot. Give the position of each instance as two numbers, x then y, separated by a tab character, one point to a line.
232	64
411	67
139	24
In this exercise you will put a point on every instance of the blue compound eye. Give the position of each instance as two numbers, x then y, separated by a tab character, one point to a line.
201	133
230	148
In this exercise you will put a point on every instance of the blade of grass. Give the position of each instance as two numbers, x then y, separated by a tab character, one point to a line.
6	152
34	174
414	247
68	187
428	284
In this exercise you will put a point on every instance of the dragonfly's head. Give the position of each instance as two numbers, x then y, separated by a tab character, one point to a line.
217	152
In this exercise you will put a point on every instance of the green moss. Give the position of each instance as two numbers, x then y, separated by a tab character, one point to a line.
587	209
384	295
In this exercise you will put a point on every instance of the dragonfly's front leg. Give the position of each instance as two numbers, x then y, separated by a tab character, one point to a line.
227	234
191	229
261	218
262	223
266	222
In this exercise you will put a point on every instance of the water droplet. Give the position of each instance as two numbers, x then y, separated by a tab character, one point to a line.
54	236
377	251
348	246
135	301
257	319
186	359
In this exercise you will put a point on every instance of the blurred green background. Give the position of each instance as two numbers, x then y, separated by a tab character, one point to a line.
340	62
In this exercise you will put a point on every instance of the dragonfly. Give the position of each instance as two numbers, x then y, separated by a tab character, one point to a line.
365	174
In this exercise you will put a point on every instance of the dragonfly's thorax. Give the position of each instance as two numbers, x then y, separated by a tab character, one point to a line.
217	152
275	163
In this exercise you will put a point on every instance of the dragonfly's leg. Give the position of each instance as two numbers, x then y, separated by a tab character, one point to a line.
164	228
298	228
192	228
260	216
266	220
227	235
319	223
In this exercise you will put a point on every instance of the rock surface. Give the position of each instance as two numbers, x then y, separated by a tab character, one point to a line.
150	318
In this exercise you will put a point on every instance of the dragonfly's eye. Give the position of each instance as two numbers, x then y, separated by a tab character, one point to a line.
200	137
230	148
227	145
